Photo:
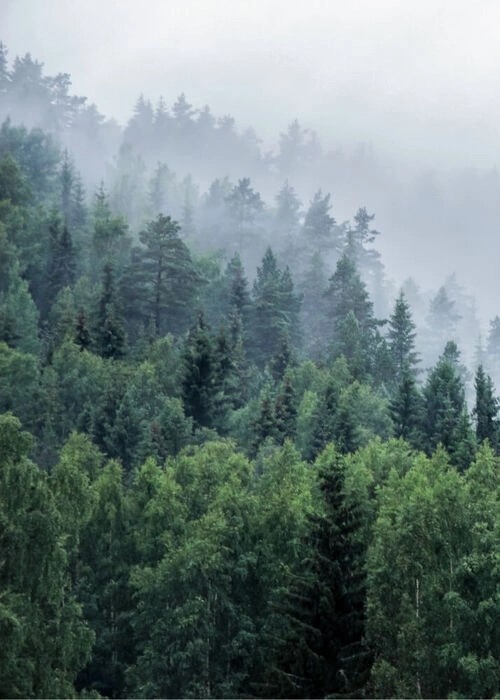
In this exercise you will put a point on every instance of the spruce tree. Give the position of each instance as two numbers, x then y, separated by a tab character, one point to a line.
109	332
352	325
485	409
200	375
322	653
61	265
275	309
401	337
285	411
406	410
169	275
287	210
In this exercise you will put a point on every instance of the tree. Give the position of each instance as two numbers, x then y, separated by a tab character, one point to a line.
199	375
103	585
325	655
244	205
485	409
170	276
442	318
406	410
61	265
275	309
351	321
401	336
287	216
109	332
493	347
444	405
320	229
110	242
45	641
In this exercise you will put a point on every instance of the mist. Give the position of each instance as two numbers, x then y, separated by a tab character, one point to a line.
402	100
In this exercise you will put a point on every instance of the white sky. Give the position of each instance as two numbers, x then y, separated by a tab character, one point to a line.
418	79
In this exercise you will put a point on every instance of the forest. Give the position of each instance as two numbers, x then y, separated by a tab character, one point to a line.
235	460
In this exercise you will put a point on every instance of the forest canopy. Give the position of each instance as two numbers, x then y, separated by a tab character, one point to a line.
235	461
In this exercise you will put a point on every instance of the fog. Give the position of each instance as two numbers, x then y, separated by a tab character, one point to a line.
416	84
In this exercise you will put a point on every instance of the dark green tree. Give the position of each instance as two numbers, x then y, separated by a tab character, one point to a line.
351	326
275	309
401	336
109	332
407	410
485	408
200	375
61	264
170	277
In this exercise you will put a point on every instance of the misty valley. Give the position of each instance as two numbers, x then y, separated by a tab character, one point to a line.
237	459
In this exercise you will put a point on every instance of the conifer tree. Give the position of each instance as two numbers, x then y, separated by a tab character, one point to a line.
170	278
322	653
406	410
402	336
444	405
351	321
287	211
82	334
275	309
485	409
61	266
264	425
320	230
199	382
109	331
285	411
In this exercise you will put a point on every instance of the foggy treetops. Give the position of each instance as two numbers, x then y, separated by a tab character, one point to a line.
236	459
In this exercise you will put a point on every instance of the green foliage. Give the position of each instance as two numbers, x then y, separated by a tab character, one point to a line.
44	638
170	278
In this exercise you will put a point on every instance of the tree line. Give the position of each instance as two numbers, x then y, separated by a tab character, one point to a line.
216	483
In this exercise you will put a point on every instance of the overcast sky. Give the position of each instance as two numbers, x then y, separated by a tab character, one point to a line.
417	79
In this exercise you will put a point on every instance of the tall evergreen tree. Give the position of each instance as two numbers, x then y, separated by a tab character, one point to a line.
287	211
351	321
61	264
170	275
485	409
275	309
402	336
320	229
322	653
109	331
199	382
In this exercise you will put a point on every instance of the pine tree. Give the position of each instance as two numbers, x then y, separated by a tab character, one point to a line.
109	331
287	210
285	411
169	275
444	405
110	242
61	266
238	297
485	409
406	410
199	380
320	230
275	309
351	321
82	334
493	348
322	653
264	426
402	336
